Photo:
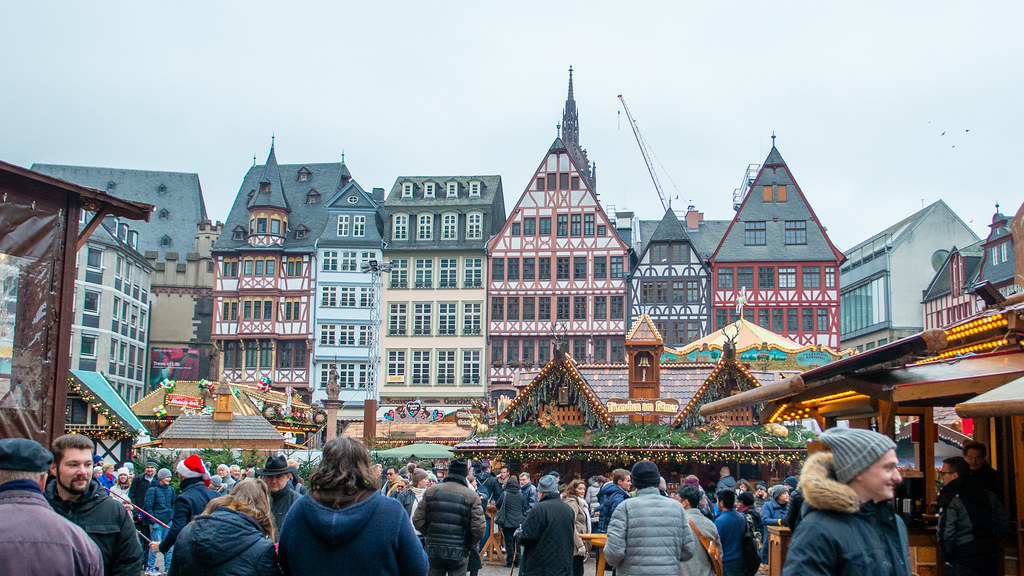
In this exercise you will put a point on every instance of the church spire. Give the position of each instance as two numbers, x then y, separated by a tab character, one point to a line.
570	118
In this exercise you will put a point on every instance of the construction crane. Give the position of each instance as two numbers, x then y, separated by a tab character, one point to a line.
646	154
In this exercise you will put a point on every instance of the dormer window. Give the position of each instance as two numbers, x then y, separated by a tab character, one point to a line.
452	189
238	233
264	187
312	197
303	174
164	214
111	185
301	231
165	241
474	189
407	190
428	190
161	189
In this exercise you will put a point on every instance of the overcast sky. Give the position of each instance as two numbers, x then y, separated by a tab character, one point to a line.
859	95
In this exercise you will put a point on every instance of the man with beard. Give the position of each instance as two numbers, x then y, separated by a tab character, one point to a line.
276	475
76	496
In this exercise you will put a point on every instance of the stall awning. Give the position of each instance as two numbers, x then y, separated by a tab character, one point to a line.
1007	400
101	388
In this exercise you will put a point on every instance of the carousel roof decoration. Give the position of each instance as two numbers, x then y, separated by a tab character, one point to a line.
644	330
532	401
728	377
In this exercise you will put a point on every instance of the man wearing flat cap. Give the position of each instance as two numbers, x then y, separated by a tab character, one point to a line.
275	475
852	527
33	538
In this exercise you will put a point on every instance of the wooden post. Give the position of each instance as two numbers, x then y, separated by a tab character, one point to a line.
887	418
927	440
1017	432
370	420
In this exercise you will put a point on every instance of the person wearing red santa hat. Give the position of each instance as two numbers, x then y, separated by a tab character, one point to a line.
195	493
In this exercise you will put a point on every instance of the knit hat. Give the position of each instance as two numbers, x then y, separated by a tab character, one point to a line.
193	467
645	474
152	463
124	471
777	490
791	482
458	467
745	498
216	481
163	473
762	486
854	450
418	476
692	482
548	485
555	474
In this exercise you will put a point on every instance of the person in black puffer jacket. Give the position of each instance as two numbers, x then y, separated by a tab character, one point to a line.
451	520
511	515
194	496
547	534
233	537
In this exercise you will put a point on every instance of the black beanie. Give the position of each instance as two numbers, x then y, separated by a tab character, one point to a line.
458	467
645	474
745	498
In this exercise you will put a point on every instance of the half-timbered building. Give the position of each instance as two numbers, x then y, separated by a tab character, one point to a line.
557	267
348	244
266	273
671	283
1000	256
950	296
777	260
433	339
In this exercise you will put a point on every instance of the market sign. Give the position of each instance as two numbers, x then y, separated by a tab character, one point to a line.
627	406
183	401
464	418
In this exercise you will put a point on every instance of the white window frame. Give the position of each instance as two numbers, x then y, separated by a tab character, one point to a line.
329	297
396	363
452	190
421	367
400	227
328	334
447	365
343	225
470	367
406	189
81	346
474	226
329	261
348	261
425	227
474	189
449	226
99	298
429	189
358	226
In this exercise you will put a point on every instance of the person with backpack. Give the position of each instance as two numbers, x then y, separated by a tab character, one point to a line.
510	516
732	528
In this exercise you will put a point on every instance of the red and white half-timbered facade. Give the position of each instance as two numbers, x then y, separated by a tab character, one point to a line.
265	277
557	271
777	261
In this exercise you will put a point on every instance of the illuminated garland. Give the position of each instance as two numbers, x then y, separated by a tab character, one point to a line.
648	437
527	405
113	431
629	455
714	388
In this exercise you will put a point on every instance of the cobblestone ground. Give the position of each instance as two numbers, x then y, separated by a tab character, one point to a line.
589	569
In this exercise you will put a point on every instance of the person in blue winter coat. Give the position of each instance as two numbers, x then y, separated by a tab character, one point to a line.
611	495
345	526
233	537
159	503
773	513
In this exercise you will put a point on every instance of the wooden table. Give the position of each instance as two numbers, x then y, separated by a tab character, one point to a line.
778	545
597	541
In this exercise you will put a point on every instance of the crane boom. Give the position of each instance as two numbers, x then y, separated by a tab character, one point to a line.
643	150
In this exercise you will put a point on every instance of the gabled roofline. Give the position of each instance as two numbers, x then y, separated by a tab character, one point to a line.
840	257
92	199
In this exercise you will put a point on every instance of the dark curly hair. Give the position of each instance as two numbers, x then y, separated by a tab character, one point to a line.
345	475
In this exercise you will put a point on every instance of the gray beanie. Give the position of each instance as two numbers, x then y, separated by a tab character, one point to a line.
163	473
854	450
548	485
776	491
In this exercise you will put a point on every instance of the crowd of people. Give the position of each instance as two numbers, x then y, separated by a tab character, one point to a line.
59	516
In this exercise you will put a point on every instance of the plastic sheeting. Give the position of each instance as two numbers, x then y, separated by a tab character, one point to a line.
32	257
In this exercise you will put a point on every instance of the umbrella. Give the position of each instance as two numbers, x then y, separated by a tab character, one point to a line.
421	450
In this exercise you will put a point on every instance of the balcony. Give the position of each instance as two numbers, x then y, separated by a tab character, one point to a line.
396	331
421	332
446	332
423	284
473	284
471	331
398	285
443	284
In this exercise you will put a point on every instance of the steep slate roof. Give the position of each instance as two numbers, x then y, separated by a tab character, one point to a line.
775	214
903	229
941	283
181	197
323	177
271	178
704	239
204	427
364	204
1004	271
491	202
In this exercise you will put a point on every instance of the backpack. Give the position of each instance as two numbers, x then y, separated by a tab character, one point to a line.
752	529
750	545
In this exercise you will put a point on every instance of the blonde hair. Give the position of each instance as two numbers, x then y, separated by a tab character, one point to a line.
252	498
397	486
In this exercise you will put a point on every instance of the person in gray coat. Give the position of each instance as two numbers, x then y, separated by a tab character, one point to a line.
700	564
649	534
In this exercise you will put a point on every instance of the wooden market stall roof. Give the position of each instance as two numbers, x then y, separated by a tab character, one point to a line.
1006	400
400	433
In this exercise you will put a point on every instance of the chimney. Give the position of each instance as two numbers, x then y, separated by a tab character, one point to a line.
693	217
223	409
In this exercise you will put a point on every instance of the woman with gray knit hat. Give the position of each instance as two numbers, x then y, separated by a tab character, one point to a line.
851	527
773	513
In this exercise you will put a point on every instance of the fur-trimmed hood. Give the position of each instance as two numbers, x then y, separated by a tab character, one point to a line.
822	491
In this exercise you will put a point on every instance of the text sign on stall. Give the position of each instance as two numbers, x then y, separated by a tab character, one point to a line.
657	406
183	401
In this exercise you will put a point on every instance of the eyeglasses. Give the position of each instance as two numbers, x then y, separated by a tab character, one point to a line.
944	473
